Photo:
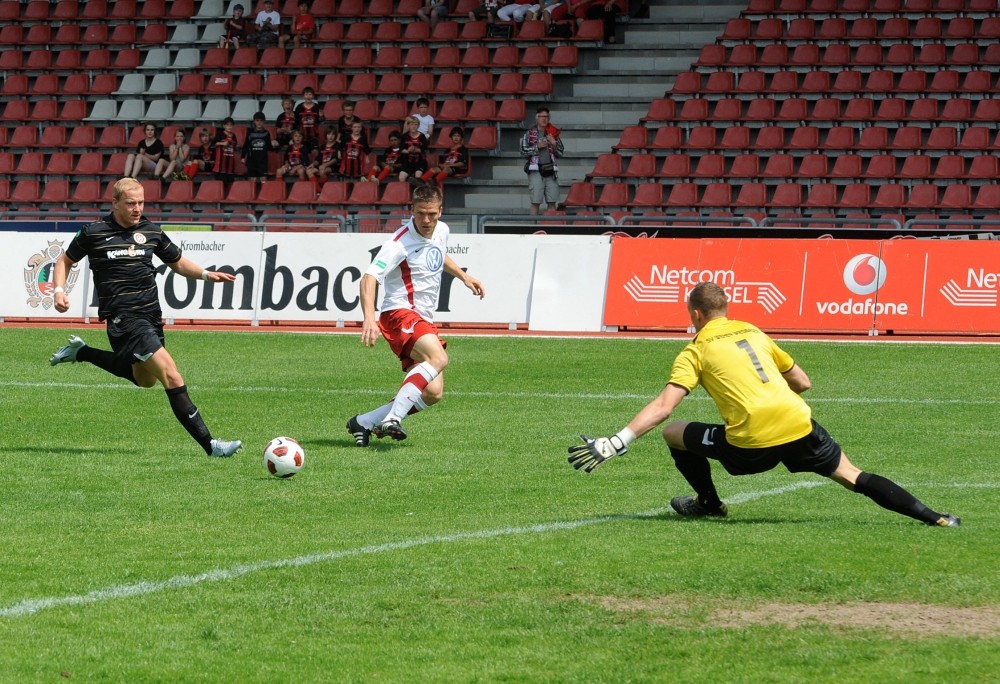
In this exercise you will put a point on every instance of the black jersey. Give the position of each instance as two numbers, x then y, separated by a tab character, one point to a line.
257	144
121	260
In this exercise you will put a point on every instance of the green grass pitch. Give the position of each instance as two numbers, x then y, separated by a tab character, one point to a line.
472	552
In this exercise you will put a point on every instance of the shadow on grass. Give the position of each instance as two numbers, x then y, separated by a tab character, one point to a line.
348	442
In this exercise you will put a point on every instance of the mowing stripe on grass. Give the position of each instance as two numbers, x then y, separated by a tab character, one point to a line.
381	392
122	591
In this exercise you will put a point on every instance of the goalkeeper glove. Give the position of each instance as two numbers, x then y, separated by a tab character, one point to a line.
594	452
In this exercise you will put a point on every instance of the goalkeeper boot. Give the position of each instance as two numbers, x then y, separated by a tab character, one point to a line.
223	449
361	434
691	507
947	520
68	353
389	428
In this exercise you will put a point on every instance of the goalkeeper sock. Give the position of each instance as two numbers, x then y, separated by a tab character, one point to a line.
698	472
188	415
413	386
107	361
891	496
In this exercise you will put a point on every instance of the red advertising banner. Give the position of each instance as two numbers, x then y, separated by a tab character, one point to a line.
858	286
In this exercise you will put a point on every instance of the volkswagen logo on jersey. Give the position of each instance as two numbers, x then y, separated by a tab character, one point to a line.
435	258
864	274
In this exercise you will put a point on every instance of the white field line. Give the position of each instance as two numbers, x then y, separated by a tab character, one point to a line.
124	591
581	396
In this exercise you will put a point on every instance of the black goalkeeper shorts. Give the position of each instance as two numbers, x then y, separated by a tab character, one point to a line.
817	452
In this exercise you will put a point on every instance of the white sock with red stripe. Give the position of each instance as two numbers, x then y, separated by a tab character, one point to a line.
409	393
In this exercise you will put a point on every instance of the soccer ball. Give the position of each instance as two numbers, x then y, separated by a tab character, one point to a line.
283	457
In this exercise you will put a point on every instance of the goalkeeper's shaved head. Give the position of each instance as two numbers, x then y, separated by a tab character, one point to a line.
709	299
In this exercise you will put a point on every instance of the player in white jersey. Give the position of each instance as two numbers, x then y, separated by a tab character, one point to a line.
409	266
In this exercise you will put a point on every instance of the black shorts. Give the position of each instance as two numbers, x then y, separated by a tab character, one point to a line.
135	338
817	452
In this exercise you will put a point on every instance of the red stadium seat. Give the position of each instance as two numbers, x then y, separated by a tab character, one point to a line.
675	166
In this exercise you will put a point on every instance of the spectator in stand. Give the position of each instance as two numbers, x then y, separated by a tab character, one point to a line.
173	168
455	162
550	11
346	121
542	146
327	159
434	11
147	154
284	124
226	145
391	161
354	153
296	159
423	115
303	27
255	148
515	11
268	27
309	120
487	11
203	157
605	10
414	145
235	30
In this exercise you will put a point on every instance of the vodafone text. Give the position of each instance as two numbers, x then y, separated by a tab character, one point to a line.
851	307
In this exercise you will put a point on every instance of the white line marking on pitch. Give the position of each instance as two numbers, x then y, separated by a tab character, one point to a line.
491	394
122	591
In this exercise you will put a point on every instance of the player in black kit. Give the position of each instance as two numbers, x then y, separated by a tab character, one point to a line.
120	248
255	148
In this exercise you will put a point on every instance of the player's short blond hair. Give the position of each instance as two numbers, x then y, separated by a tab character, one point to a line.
122	186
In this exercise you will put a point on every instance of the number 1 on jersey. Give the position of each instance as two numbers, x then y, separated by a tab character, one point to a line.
745	346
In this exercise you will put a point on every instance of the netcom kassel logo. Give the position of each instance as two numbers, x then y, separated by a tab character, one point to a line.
864	274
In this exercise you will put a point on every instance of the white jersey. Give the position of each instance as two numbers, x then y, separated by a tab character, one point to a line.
409	268
426	123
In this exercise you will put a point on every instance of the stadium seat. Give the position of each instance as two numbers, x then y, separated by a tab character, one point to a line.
821	196
30	163
676	165
922	196
87	191
750	196
179	192
682	195
639	166
302	192
59	163
613	195
883	166
7	163
89	164
889	196
815	165
955	197
53	136
710	165
363	194
580	194
705	138
983	167
748	165
333	193
395	193
943	138
787	196
648	195
25	192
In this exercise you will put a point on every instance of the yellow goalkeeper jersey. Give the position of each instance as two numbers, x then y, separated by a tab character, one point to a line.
740	367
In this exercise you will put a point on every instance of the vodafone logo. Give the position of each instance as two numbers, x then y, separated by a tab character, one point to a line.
864	274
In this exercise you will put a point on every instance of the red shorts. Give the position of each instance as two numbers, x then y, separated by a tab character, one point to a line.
402	328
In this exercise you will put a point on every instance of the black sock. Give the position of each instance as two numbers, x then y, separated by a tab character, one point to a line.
188	415
698	472
891	496
107	361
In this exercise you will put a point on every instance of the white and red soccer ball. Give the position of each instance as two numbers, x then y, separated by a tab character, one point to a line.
283	457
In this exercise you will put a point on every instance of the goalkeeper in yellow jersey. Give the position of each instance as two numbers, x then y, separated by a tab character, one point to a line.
756	387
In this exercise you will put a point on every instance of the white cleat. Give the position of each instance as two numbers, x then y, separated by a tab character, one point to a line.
68	353
223	449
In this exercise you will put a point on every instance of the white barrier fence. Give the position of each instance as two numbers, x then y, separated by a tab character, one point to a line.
545	282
